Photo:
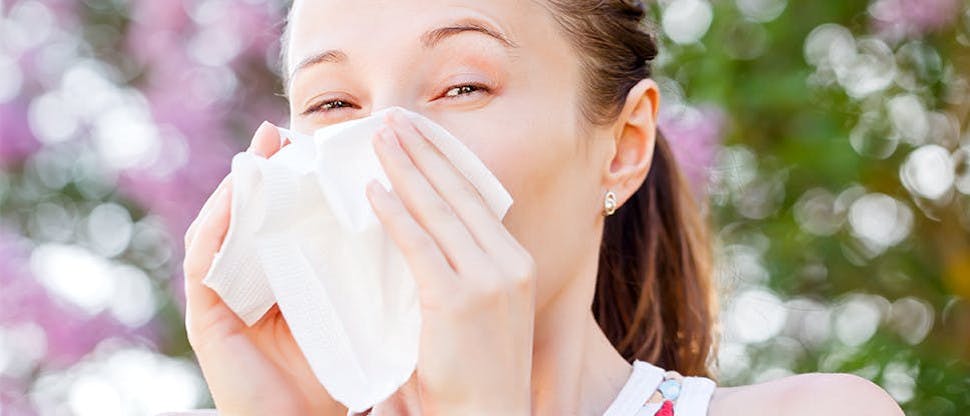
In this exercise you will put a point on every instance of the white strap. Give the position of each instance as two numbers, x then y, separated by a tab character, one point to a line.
649	409
695	396
642	382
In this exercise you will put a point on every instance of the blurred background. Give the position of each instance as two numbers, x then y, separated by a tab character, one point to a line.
830	139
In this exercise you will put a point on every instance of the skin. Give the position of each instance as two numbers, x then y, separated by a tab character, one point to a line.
508	327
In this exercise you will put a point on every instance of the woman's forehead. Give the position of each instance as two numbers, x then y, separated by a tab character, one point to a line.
321	25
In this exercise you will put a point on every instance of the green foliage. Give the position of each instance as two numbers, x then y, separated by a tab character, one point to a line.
787	195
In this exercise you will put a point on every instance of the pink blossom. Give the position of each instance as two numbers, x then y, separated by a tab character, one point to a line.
912	18
16	139
70	334
157	39
694	135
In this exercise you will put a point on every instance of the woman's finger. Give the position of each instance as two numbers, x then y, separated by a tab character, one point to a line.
460	194
199	255
429	266
190	232
266	141
427	207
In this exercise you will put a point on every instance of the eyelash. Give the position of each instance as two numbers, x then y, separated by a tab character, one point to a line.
323	105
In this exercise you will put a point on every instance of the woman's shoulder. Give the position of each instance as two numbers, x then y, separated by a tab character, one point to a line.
806	394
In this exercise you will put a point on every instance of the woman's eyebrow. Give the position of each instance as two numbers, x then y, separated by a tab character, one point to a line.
330	55
432	37
429	40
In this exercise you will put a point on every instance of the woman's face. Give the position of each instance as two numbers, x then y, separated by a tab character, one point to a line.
497	74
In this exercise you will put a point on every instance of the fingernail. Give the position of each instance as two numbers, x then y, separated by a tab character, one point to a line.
388	115
374	188
398	116
394	117
259	131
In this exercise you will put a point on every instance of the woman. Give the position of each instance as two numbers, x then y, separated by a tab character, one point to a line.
601	261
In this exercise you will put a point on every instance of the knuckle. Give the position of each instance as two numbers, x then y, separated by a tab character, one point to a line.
439	209
523	284
458	300
192	336
193	339
195	333
524	267
190	233
488	286
190	267
449	300
394	215
494	290
420	143
466	191
437	213
417	243
523	272
478	270
393	212
477	297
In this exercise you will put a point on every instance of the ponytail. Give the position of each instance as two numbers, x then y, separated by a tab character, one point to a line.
654	297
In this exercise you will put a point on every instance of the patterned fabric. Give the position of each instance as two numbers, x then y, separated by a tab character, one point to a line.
667	409
666	394
652	391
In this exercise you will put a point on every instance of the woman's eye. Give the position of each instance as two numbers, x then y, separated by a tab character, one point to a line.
467	89
328	105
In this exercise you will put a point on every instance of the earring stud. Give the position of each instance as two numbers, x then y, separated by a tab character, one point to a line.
609	204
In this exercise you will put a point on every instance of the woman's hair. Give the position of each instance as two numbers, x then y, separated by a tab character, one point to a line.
654	296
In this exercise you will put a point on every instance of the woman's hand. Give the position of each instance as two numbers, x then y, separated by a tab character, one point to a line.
476	283
256	370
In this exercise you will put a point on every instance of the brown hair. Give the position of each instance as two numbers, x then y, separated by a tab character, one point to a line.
654	297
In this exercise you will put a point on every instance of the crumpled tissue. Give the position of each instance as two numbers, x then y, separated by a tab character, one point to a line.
302	235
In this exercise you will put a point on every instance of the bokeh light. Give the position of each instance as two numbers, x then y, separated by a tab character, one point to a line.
829	142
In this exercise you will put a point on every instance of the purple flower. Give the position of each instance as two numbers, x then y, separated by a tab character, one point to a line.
896	19
201	66
16	139
694	135
64	334
69	332
205	121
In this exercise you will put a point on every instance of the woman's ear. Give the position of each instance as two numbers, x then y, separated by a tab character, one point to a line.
634	137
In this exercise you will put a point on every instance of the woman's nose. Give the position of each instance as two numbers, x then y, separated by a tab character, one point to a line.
394	96
382	106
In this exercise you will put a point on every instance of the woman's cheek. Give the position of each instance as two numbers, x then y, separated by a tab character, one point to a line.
484	136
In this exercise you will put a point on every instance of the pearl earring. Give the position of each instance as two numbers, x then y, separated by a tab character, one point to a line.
609	204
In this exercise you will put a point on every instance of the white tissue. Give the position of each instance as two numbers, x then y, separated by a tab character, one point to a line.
303	235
